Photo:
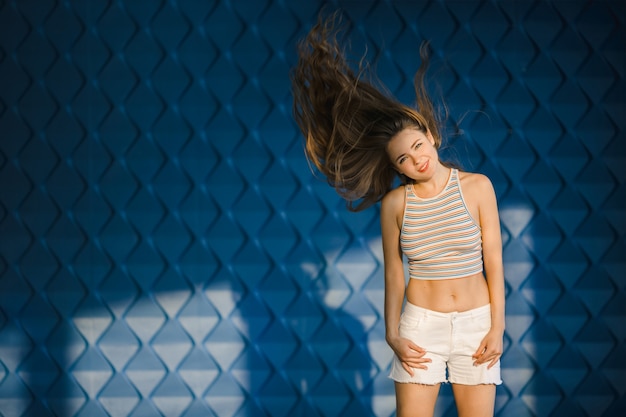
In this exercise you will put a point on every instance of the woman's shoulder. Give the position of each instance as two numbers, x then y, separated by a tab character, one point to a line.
475	183
394	200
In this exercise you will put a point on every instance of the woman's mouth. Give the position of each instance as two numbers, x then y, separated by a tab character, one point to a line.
423	167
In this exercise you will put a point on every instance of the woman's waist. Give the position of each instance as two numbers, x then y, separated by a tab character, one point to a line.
458	294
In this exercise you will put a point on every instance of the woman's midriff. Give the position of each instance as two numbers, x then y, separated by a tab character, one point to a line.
448	295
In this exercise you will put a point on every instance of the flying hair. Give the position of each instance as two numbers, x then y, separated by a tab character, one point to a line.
347	122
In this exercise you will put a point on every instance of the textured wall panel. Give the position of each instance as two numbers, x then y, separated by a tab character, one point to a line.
165	251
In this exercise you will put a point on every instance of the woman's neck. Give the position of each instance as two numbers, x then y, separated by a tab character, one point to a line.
433	186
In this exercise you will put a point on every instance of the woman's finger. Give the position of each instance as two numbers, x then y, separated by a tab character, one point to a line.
407	368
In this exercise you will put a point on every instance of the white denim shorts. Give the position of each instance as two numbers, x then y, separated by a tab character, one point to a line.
450	340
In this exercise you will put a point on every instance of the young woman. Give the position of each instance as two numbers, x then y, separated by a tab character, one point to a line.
443	220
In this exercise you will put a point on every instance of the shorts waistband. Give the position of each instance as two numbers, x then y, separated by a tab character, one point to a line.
412	309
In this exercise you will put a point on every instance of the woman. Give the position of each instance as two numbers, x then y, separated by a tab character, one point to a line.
443	220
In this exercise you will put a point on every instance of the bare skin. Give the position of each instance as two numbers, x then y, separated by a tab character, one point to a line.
413	154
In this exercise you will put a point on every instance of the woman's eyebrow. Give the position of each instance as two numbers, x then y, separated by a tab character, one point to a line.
412	146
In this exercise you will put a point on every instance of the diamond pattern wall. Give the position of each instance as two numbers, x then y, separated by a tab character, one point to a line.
165	251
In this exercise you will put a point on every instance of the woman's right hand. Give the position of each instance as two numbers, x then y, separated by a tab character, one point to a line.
410	355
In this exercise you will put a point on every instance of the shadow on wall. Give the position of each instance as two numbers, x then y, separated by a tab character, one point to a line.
152	338
125	323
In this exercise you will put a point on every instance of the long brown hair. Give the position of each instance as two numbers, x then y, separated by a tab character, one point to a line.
347	122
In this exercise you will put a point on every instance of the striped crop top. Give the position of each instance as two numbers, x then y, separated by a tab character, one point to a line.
439	236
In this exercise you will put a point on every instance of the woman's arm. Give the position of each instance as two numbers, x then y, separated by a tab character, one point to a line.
490	349
391	213
391	205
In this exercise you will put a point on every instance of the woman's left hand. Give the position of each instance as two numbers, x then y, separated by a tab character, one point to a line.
490	349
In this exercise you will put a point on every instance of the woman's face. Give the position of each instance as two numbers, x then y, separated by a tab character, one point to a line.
413	153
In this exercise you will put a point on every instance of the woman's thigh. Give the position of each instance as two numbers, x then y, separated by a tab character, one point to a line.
475	400
415	400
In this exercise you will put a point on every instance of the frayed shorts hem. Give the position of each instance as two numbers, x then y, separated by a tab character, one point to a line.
408	381
441	382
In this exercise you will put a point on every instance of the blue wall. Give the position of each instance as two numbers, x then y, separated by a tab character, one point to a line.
165	250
